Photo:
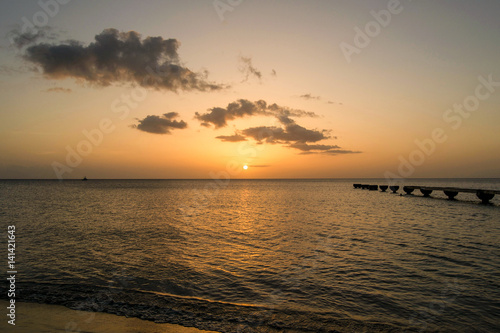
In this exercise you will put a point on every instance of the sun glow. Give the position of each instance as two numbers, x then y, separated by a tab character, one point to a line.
245	167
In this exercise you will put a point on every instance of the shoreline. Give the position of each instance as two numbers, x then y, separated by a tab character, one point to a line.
36	317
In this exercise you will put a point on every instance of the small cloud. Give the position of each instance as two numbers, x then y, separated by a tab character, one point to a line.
309	96
59	89
320	149
292	132
259	166
219	117
273	73
231	138
160	124
248	69
305	147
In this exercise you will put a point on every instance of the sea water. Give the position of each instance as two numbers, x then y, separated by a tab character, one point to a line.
259	255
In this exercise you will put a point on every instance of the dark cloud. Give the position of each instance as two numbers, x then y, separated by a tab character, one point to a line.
160	124
247	68
320	149
117	57
287	132
305	147
292	132
59	89
231	138
218	117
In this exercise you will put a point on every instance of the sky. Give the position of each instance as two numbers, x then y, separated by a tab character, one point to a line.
291	89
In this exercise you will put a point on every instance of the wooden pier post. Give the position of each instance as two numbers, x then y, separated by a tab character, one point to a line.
426	192
408	190
485	197
451	194
394	188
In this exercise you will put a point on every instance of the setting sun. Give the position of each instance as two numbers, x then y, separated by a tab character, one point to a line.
245	167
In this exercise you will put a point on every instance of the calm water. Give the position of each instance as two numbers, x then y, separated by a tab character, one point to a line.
260	256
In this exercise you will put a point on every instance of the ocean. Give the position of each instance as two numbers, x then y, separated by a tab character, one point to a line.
259	255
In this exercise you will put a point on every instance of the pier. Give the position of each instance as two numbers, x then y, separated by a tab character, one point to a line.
451	192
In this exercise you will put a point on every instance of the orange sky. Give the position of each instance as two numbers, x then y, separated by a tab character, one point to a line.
428	68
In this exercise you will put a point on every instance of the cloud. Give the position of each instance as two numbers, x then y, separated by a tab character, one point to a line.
20	39
59	89
292	132
287	132
273	73
118	57
320	149
317	98
309	96
247	68
160	124
219	117
259	166
231	138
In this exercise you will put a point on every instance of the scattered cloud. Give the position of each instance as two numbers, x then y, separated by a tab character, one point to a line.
287	132
116	57
219	117
232	138
317	98
246	67
290	132
320	149
309	96
59	89
160	124
259	166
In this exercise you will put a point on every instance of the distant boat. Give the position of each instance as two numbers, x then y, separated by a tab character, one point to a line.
84	178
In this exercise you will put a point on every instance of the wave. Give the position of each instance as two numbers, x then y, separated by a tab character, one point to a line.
191	311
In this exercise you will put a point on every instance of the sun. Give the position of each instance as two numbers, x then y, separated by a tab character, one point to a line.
245	167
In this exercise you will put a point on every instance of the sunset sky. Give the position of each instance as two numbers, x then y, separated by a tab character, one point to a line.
292	89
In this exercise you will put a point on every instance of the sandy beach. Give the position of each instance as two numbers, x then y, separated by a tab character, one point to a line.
34	317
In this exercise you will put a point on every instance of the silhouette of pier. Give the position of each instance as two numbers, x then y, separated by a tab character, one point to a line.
451	192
